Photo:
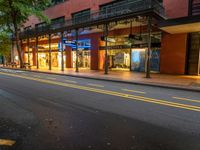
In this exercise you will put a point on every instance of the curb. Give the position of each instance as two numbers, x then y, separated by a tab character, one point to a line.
115	80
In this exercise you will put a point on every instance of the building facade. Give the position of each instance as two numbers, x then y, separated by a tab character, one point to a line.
125	35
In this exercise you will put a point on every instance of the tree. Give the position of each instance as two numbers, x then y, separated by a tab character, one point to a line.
5	45
13	13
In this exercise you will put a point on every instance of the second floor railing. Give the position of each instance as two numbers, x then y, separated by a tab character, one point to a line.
195	10
121	8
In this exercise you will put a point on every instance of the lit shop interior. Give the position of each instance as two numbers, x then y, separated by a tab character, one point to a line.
28	54
84	54
43	56
126	55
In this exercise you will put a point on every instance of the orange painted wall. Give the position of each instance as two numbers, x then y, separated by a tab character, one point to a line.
173	53
68	57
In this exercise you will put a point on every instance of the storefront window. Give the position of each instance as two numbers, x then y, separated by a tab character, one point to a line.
84	58
155	60
138	58
43	59
119	59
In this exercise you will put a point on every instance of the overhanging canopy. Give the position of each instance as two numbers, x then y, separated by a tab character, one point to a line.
181	25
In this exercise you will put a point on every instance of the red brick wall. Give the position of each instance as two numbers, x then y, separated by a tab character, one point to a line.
66	8
176	8
173	53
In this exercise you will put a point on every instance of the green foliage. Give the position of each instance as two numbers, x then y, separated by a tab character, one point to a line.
16	12
5	44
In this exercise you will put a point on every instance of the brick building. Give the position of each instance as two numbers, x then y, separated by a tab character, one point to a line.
164	34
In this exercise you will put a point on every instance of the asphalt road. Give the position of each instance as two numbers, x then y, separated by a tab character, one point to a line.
50	112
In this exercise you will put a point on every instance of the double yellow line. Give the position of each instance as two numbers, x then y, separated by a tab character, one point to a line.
113	93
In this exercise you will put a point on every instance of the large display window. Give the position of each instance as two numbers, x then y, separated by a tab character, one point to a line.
119	59
30	57
43	60
138	60
84	58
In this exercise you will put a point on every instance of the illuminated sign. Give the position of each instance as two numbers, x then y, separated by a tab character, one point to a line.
84	44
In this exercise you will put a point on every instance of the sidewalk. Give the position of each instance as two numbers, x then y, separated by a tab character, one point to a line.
184	82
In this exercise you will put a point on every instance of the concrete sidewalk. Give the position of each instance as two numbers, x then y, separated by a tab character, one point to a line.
184	82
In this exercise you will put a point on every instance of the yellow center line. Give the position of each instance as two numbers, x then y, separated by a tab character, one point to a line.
113	93
70	81
95	85
186	99
127	90
5	142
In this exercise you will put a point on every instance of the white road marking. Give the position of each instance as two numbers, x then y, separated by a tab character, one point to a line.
70	81
140	92
95	85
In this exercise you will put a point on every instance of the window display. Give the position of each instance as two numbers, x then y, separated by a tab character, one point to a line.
119	59
84	58
138	60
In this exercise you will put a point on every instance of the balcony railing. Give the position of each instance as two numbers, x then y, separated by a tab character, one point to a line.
195	7
121	9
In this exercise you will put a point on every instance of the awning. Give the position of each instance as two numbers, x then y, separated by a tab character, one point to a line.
181	25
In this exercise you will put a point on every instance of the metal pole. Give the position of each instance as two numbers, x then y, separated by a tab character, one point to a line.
37	61
62	59
28	45
12	53
106	48
148	64
77	69
49	51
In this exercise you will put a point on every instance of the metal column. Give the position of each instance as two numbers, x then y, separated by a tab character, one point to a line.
36	46
62	51
148	64
77	65
28	46
106	48
12	52
50	52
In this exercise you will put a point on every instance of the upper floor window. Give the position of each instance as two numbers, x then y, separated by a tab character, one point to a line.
40	25
27	28
81	16
54	2
58	20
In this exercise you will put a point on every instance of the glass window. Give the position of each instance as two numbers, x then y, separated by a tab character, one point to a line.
58	20
81	16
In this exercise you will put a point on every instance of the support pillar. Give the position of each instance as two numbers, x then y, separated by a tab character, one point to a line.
62	51
106	48
12	52
77	55
50	52
148	63
37	61
28	46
